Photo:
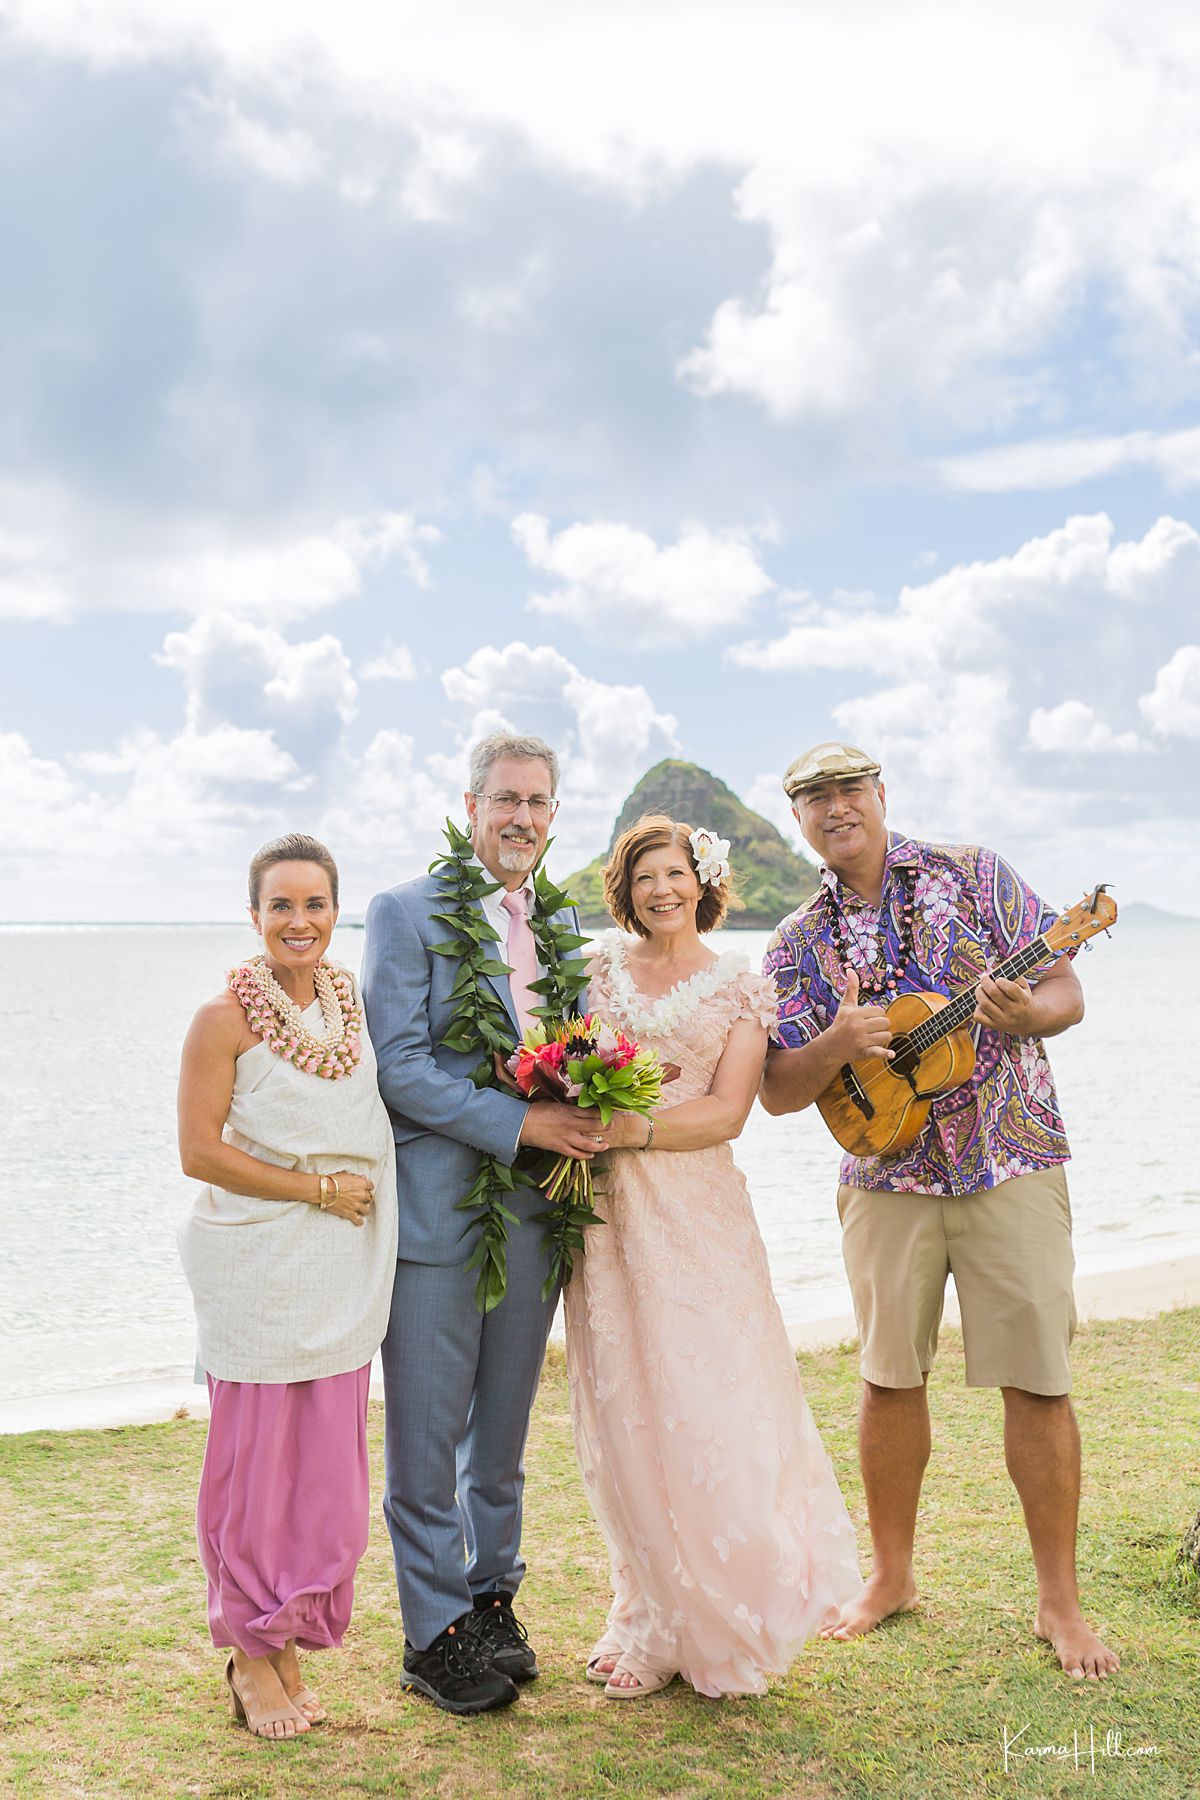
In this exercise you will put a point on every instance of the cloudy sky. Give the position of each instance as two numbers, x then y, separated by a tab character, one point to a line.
666	379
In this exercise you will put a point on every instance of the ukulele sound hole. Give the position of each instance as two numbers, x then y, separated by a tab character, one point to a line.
904	1059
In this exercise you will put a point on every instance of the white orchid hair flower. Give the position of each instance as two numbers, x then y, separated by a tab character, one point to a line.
712	856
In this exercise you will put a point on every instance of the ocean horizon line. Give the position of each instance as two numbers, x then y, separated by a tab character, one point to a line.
355	921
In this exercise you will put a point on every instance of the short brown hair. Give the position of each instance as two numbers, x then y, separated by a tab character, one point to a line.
656	831
295	847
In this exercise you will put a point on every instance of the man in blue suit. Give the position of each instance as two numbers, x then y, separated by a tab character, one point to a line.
460	1384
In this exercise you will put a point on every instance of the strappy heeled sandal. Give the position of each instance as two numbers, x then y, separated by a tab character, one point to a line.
605	1650
256	1723
303	1700
649	1679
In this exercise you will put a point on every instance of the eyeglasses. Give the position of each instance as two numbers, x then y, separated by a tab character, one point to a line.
541	806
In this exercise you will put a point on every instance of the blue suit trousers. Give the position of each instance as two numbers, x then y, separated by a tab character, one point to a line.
460	1386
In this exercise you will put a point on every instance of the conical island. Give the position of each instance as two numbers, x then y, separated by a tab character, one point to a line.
771	878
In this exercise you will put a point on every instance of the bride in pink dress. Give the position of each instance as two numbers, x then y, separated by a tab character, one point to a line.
729	1541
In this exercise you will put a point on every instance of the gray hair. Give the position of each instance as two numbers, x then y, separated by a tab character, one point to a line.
522	749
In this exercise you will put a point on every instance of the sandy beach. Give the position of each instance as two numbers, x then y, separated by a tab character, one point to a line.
1133	1293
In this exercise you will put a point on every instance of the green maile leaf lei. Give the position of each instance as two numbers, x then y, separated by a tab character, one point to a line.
480	1022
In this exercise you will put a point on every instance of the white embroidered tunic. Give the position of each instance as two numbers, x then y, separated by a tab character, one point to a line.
284	1291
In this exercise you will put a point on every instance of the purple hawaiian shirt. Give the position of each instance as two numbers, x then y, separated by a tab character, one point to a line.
971	911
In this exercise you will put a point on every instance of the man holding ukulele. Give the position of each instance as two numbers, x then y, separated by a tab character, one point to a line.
981	1194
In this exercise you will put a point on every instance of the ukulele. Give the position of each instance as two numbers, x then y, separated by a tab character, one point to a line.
878	1108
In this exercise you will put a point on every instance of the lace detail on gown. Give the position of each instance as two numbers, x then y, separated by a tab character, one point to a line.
728	1538
644	1014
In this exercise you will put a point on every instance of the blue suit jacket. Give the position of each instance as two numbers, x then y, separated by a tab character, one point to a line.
441	1120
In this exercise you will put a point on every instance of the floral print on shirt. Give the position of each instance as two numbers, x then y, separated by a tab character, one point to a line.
971	910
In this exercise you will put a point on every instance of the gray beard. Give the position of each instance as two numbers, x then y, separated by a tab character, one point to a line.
516	857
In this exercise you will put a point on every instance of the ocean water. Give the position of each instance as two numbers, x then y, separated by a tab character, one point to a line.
90	1189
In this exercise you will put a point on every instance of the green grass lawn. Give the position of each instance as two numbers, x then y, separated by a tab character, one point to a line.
109	1686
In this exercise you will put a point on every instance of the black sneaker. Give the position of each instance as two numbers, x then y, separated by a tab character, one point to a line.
496	1625
456	1671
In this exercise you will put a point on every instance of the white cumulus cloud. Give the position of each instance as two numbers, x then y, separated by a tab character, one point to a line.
1000	695
1074	726
62	554
616	582
1173	705
924	253
395	662
606	734
286	154
239	671
1053	590
1050	462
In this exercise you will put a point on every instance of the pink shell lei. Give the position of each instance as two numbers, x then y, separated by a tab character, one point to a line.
289	1040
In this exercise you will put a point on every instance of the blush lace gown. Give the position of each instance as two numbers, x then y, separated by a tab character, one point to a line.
729	1541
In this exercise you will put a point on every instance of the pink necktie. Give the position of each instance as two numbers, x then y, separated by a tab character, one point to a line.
522	958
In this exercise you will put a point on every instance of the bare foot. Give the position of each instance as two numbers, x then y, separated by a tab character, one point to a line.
604	1664
1082	1654
877	1602
286	1665
258	1698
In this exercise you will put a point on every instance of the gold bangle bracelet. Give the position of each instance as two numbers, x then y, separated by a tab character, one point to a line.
326	1182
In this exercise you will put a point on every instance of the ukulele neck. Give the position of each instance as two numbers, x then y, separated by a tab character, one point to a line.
960	1009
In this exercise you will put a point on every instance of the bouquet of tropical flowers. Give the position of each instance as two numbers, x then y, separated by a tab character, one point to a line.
582	1061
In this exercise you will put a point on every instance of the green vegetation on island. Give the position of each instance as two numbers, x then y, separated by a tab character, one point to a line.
770	877
109	1686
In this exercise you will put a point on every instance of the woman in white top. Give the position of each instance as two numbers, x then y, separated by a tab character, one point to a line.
290	1251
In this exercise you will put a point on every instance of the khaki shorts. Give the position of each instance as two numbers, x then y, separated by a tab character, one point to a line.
1009	1251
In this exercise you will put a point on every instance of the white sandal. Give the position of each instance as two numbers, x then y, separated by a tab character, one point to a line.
606	1649
649	1679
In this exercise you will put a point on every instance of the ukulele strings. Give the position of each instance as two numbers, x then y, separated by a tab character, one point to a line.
930	1030
923	1036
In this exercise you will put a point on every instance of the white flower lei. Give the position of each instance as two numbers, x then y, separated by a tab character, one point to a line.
645	1015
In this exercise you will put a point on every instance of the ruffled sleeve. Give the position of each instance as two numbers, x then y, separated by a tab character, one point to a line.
758	1000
